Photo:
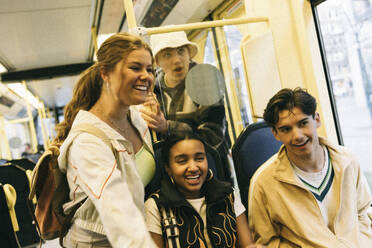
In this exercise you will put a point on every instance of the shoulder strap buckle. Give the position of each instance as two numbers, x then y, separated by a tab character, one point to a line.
169	223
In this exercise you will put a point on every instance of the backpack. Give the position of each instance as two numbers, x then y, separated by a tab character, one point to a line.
49	186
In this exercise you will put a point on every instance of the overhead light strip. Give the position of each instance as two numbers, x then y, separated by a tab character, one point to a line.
21	91
2	69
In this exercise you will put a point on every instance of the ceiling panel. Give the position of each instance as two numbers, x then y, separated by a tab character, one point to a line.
26	5
55	92
191	11
39	34
112	15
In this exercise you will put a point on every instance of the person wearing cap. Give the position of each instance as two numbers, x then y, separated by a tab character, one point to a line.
175	110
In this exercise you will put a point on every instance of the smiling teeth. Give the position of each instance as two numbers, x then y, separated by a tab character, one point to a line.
300	144
139	87
193	177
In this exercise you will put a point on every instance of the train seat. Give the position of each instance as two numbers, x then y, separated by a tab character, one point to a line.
7	239
13	172
253	147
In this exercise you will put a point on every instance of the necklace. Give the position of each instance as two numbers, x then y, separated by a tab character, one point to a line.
124	129
121	128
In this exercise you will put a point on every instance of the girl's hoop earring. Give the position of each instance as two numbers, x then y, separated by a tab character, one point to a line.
171	178
210	175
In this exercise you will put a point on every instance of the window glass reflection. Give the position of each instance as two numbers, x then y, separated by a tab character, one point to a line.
233	38
345	27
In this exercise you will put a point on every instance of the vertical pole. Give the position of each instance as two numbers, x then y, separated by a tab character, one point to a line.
233	117
4	138
46	127
49	116
56	114
128	5
43	133
94	38
31	123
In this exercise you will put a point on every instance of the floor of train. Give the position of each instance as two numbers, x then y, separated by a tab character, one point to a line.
51	244
48	244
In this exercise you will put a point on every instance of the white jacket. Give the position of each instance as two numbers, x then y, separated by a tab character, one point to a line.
115	204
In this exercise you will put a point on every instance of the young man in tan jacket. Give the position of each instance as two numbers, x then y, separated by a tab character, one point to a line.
311	193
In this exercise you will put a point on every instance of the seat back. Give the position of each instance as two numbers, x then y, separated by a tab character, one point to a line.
14	173
254	146
7	239
215	164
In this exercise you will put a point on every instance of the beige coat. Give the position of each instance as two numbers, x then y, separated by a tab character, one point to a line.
284	213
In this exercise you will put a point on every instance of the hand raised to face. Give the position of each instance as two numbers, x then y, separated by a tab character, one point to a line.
153	116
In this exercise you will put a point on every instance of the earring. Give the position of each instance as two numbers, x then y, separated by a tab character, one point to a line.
107	86
210	175
171	178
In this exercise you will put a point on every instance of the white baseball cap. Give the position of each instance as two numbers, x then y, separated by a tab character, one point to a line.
172	40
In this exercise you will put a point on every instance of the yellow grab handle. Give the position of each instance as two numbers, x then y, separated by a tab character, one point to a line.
11	198
29	177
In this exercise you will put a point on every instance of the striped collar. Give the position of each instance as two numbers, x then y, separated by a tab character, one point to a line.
321	191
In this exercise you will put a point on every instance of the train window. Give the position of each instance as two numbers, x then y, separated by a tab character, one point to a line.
16	132
209	54
213	54
228	39
345	29
45	129
233	38
232	64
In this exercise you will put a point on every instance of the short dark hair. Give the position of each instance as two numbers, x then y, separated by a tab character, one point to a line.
287	99
173	139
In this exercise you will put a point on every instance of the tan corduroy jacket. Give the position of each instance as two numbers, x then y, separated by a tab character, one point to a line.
283	213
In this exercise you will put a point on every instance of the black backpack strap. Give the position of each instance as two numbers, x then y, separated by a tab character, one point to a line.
171	229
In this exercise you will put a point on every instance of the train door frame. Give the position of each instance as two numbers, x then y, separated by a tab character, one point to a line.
332	99
220	42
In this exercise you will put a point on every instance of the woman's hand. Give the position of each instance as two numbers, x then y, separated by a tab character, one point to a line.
153	116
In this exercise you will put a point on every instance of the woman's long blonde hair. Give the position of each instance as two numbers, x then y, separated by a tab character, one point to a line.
88	89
